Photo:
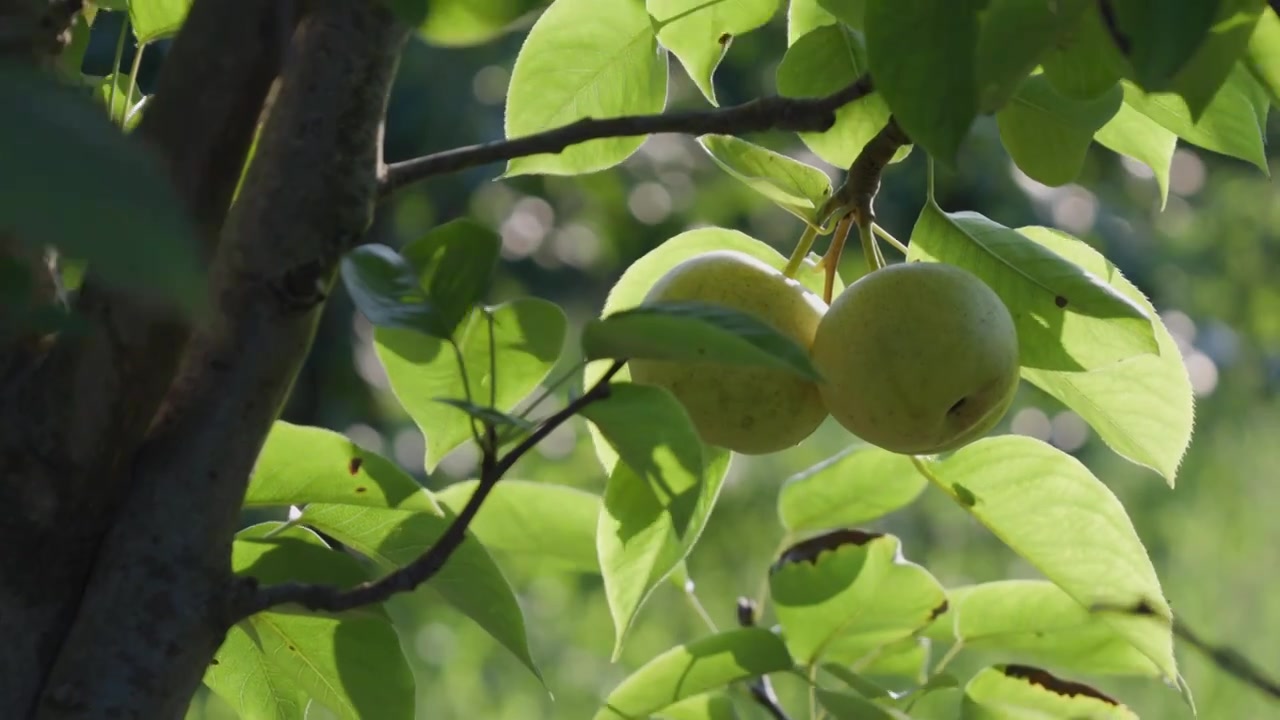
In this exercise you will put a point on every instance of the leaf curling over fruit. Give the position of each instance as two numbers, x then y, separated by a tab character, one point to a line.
918	358
749	410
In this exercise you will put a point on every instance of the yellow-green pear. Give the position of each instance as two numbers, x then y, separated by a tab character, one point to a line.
750	410
918	358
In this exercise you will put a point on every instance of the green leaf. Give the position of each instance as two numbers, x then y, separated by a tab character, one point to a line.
846	594
534	520
847	706
1049	509
1036	622
463	23
128	223
470	581
855	486
691	331
528	337
1135	135
1160	37
1048	134
352	663
657	500
707	706
849	12
1143	407
384	287
694	668
942	704
699	32
71	59
630	290
1015	692
584	58
1014	35
796	187
487	415
931	90
155	19
1067	318
1200	78
254	688
1262	57
300	464
117	105
454	263
819	63
804	16
1085	62
1229	125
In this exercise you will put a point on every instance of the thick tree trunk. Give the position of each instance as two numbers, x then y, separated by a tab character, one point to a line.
115	585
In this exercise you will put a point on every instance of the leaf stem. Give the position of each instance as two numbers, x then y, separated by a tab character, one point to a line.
691	594
870	249
133	83
831	261
115	68
884	235
801	251
466	390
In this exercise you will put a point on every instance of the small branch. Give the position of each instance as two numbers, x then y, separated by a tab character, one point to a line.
331	599
771	113
761	689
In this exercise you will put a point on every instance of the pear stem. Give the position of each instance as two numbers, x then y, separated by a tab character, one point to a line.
884	235
870	248
831	261
801	251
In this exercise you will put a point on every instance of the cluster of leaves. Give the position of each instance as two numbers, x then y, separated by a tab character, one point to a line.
853	617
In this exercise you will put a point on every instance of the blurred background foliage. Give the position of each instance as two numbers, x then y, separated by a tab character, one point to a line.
1208	261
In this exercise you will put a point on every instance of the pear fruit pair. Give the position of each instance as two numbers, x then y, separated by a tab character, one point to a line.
915	358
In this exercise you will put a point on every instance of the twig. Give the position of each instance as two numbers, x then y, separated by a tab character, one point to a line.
770	113
332	599
761	689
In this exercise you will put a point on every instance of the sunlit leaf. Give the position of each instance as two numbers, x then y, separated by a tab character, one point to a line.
857	485
1161	37
658	498
1143	407
1229	125
846	594
1036	622
152	20
932	90
699	32
708	706
353	663
1018	692
254	688
300	464
692	331
470	581
822	61
848	706
462	23
1135	135
803	16
1067	318
585	58
694	668
849	12
528	338
1085	63
1262	56
629	291
1047	507
1048	134
796	187
1199	79
533	520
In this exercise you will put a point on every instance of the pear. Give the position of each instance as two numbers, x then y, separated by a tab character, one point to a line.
746	409
918	358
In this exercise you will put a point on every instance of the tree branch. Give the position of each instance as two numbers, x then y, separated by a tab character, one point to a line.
163	571
771	113
761	688
332	599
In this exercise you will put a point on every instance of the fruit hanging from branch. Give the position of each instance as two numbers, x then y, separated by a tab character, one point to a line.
750	410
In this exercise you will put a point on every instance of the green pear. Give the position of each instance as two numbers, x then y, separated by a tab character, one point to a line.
918	358
746	409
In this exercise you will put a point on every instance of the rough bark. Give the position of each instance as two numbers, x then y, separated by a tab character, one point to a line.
161	595
69	432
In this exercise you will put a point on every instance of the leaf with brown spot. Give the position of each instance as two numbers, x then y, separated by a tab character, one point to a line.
847	594
1012	691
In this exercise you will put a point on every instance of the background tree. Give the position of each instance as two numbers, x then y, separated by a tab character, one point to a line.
170	534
